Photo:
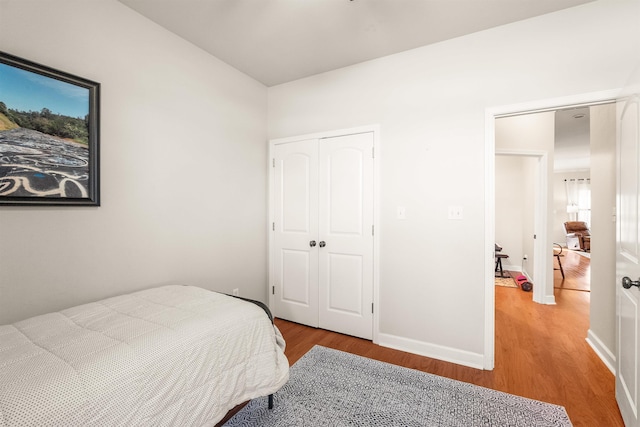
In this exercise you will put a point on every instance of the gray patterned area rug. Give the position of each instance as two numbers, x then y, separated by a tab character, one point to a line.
333	388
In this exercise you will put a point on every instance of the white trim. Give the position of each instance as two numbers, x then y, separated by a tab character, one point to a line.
583	99
329	134
435	351
489	239
514	267
490	115
375	129
603	352
377	230
270	222
544	293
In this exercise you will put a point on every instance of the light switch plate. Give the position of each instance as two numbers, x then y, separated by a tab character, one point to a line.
455	212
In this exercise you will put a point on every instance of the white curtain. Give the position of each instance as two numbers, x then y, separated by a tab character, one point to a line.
579	199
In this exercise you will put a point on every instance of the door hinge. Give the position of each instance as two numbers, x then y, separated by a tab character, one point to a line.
534	237
371	308
373	152
273	226
273	290
373	231
273	162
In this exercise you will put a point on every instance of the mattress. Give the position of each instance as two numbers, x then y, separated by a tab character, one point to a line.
168	356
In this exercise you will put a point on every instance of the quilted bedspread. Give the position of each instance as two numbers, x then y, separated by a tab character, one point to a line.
168	356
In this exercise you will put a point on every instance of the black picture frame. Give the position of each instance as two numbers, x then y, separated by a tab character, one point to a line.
49	154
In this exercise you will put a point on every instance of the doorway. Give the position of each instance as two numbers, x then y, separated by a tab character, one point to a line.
521	193
550	105
565	135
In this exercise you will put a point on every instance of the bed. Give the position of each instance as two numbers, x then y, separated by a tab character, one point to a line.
173	355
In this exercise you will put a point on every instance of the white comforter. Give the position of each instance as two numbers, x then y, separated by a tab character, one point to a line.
171	356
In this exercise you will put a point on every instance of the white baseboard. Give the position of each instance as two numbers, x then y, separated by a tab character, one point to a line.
513	267
448	354
607	357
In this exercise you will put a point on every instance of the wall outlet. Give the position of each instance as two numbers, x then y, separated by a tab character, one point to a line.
455	212
236	292
401	212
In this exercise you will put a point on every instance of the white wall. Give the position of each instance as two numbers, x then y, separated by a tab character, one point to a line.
514	214
602	325
430	103
183	167
510	206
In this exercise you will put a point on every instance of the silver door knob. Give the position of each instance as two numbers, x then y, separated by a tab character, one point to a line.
312	243
628	283
322	244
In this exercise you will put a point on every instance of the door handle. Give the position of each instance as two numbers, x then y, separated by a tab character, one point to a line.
312	243
322	244
628	283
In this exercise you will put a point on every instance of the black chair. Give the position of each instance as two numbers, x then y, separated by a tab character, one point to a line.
499	257
557	252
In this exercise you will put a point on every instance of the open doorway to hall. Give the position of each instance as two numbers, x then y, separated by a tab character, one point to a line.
575	140
588	271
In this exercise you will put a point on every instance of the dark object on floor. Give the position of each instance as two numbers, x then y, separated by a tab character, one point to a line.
499	258
525	285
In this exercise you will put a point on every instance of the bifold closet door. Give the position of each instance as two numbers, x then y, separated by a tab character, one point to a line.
323	233
346	228
295	231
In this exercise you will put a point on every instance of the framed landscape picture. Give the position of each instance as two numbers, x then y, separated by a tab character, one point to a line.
49	136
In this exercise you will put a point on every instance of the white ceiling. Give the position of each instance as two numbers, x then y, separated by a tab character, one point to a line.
276	41
572	150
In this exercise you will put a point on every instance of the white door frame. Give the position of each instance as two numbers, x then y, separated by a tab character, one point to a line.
490	152
542	293
375	129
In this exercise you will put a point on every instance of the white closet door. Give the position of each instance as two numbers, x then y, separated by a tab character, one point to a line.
345	247
295	260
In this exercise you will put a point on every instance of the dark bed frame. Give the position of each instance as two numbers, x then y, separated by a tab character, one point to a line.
266	310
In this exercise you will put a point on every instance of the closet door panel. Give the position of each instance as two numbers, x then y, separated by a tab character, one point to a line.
345	227
345	279
295	200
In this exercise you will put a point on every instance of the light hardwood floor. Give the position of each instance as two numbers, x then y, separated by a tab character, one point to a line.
541	352
577	272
